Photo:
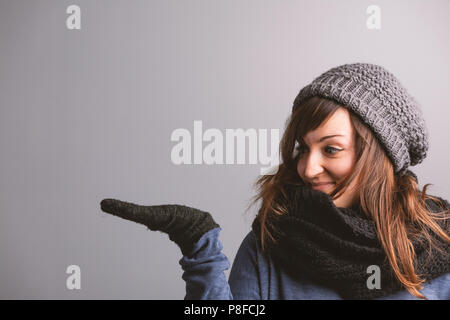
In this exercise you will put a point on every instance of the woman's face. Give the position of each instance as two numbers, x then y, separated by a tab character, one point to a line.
328	156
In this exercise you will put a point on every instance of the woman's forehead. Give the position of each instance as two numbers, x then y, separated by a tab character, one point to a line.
339	125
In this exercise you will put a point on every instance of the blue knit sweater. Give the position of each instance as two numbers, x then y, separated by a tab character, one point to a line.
254	277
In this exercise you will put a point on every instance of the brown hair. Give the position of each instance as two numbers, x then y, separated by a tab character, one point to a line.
394	203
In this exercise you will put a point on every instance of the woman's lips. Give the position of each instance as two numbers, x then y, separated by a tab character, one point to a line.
322	186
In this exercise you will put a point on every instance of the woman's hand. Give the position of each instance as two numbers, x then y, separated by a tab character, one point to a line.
184	225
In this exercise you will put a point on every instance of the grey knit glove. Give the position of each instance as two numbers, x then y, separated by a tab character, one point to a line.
184	225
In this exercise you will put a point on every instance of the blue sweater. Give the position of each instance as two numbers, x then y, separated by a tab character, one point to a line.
254	277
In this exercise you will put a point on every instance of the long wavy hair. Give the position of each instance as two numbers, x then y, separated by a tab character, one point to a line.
394	203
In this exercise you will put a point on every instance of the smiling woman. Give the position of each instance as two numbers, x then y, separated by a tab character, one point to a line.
355	141
342	204
326	154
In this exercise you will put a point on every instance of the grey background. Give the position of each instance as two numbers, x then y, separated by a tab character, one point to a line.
87	114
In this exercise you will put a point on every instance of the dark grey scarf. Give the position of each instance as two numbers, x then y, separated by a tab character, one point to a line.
334	246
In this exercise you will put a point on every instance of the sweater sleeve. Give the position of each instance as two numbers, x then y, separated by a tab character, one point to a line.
204	269
247	271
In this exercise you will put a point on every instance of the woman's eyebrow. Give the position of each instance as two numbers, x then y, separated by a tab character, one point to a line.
334	135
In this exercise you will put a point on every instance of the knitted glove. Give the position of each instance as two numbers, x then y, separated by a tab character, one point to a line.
184	225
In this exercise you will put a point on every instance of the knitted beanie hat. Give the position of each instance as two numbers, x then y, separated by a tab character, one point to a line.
382	103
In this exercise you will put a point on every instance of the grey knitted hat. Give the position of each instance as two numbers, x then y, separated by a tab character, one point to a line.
378	98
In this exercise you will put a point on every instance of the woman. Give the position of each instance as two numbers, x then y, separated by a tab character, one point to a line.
342	218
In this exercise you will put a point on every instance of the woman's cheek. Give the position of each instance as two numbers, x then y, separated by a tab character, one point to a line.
342	167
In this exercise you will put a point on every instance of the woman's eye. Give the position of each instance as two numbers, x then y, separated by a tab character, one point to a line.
331	150
328	149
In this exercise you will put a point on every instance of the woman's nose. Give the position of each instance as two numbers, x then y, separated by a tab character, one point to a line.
313	166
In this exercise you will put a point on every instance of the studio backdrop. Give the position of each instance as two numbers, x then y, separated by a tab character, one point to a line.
173	102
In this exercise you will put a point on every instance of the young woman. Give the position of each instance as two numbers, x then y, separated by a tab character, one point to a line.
342	218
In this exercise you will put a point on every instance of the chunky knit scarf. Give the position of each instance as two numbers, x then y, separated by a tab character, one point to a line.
335	246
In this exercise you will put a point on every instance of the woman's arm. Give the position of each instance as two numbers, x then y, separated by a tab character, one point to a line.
204	269
197	235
